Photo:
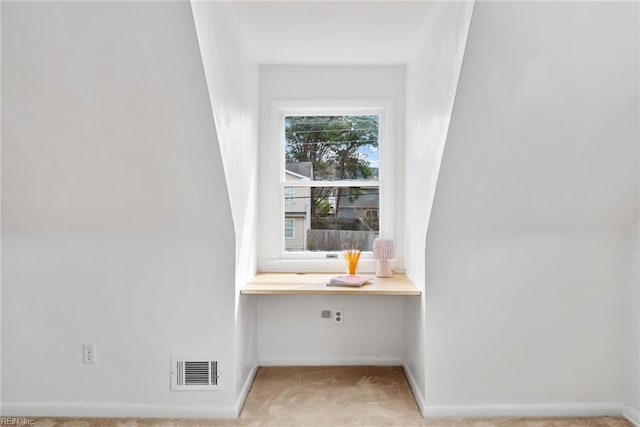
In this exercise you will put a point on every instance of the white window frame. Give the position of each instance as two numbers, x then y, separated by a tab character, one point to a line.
271	245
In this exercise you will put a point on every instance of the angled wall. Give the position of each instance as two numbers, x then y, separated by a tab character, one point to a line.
232	81
526	253
116	223
432	79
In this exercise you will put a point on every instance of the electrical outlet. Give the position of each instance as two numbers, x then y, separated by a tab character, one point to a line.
338	316
88	354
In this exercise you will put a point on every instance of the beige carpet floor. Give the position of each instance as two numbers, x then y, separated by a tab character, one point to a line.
333	396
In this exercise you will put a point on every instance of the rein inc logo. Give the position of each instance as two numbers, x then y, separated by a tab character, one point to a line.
15	421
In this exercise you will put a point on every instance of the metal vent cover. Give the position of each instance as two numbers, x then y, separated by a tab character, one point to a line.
195	373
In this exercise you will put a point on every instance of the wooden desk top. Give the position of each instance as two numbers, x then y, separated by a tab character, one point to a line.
316	284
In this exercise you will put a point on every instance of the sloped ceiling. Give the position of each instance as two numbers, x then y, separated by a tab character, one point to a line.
544	132
303	32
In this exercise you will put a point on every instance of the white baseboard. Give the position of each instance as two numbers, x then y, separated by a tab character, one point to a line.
534	410
632	415
417	393
320	361
127	410
244	392
113	410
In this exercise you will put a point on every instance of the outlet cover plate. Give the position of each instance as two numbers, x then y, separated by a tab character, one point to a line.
89	354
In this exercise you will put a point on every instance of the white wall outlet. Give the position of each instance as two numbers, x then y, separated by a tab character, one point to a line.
89	353
338	316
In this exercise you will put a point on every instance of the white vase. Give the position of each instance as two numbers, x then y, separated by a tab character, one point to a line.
383	268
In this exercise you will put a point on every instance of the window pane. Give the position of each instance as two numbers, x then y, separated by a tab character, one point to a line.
289	227
331	148
289	195
325	218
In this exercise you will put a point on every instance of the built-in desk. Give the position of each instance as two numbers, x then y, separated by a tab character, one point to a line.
316	284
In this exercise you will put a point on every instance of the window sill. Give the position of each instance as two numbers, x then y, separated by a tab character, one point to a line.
316	284
310	265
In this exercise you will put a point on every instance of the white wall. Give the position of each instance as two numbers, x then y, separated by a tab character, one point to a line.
432	78
632	339
371	335
117	227
291	331
524	320
538	185
232	79
1	317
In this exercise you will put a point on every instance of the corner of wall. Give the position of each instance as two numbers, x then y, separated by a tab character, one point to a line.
244	390
415	389
632	415
632	365
429	107
232	83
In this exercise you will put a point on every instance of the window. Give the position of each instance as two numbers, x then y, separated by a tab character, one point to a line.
289	228
326	171
289	195
333	161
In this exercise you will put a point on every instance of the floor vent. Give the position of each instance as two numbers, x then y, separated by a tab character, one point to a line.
195	373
